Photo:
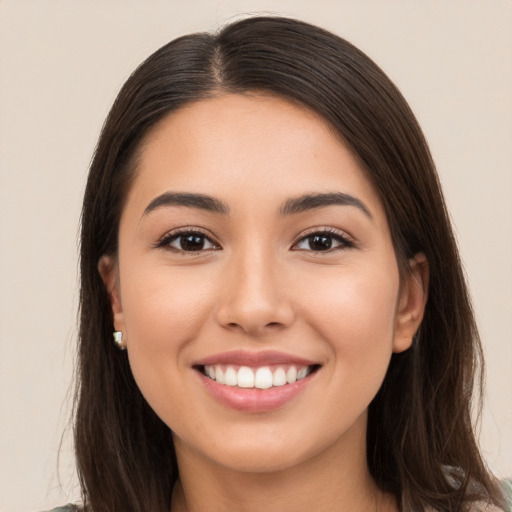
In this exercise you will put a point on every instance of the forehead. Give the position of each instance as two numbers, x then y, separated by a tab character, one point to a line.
240	147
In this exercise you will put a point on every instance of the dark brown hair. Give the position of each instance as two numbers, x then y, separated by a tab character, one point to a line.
420	442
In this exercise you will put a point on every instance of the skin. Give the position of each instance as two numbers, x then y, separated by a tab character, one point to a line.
257	286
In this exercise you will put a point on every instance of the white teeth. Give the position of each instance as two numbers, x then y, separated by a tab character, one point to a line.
219	374
260	378
279	377
245	377
263	378
230	377
291	375
302	373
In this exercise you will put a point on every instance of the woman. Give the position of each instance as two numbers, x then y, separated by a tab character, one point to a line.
264	232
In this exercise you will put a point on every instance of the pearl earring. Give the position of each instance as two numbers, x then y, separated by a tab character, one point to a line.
118	340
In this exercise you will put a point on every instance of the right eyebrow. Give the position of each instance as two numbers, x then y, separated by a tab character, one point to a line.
201	201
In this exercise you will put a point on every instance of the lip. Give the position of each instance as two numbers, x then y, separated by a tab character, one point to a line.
254	400
253	359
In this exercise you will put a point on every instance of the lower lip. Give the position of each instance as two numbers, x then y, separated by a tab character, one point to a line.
254	399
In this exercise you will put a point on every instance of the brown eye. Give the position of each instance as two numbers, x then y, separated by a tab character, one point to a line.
192	242
319	242
189	241
323	241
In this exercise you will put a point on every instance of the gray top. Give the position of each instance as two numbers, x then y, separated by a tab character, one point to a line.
506	484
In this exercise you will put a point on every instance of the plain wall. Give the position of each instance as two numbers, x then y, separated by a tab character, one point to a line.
61	65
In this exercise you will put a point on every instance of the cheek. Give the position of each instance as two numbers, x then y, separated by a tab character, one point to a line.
164	306
358	299
164	310
354	312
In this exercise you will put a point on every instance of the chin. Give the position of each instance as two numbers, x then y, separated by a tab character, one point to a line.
253	460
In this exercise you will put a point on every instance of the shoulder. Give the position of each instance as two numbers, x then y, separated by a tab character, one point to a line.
506	487
481	506
66	508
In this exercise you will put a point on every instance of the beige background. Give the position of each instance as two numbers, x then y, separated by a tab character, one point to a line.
61	64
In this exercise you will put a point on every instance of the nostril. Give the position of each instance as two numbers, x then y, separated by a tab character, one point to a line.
255	328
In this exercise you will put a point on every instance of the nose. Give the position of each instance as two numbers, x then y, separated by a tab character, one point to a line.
255	298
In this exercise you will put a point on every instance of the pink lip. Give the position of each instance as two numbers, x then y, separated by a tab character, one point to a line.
262	358
254	400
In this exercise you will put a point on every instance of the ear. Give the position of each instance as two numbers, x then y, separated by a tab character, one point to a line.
411	303
109	272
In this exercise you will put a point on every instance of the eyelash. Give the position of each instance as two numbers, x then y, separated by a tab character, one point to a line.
334	235
168	238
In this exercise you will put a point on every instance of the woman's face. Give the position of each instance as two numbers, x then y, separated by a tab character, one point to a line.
256	284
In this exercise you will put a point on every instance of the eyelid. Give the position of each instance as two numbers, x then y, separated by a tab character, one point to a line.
341	235
163	241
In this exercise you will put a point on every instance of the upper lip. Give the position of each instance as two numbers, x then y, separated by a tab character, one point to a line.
261	358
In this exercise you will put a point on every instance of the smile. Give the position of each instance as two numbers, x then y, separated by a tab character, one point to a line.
255	382
263	377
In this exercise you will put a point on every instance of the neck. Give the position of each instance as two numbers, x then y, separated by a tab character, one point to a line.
335	480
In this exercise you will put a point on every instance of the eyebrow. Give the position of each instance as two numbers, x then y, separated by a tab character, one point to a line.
291	206
200	201
313	201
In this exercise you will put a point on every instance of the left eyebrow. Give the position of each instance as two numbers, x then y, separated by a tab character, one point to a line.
313	201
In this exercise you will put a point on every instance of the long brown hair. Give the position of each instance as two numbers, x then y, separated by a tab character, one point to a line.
420	442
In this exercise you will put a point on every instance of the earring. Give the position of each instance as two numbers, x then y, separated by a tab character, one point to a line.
118	340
